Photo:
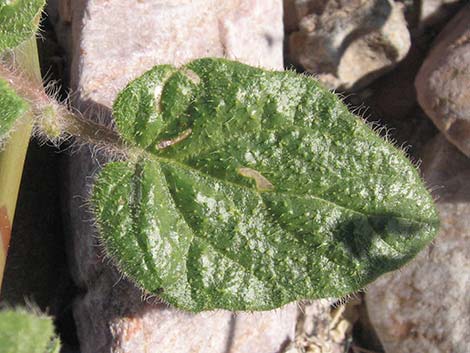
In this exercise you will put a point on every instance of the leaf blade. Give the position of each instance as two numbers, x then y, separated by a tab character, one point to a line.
25	332
288	196
19	21
12	107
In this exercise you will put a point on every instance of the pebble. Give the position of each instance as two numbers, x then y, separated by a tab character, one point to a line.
443	82
347	44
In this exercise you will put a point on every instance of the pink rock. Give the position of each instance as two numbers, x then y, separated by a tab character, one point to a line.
111	317
115	41
443	82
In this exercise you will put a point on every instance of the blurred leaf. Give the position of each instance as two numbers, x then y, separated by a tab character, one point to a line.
12	107
25	332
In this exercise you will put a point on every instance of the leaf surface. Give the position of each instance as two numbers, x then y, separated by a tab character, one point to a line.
12	107
24	332
251	189
19	21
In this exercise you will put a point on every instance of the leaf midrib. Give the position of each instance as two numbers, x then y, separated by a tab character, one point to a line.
280	193
306	130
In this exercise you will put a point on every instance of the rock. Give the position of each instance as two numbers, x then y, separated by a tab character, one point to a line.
428	15
442	83
347	44
432	12
146	33
112	318
290	16
425	307
113	42
365	335
393	95
320	330
391	102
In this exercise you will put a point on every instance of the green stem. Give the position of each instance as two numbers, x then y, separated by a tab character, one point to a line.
13	157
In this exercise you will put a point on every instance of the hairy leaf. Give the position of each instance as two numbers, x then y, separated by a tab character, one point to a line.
251	189
25	332
19	21
12	107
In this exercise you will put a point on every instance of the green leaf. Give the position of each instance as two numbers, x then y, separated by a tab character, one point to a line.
12	107
248	189
19	21
25	332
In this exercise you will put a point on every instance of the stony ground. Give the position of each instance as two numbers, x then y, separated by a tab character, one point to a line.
404	64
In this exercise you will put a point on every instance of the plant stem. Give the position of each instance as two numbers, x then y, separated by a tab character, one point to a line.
89	132
13	157
57	122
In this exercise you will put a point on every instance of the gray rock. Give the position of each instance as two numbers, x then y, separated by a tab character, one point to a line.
347	44
425	307
442	84
113	42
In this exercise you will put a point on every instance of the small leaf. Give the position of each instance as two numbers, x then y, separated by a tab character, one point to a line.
252	189
12	107
19	21
25	332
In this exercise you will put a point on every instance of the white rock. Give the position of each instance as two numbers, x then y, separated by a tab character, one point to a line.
425	307
347	44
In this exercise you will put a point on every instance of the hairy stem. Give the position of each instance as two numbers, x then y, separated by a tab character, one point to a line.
58	122
73	125
49	118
